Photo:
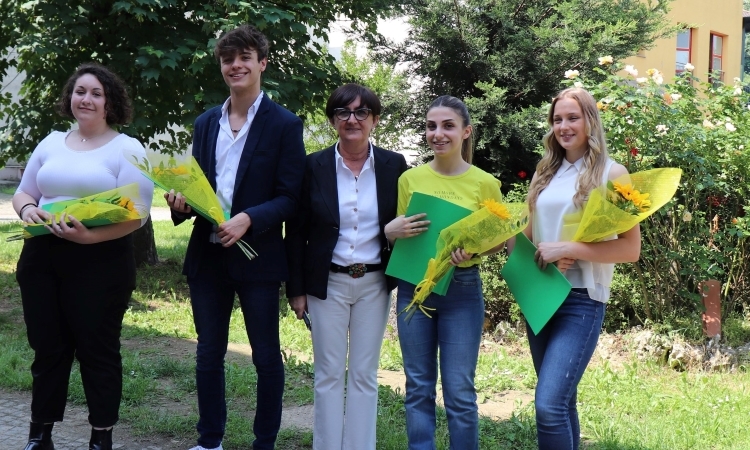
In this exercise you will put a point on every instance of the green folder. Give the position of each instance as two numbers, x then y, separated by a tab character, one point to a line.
538	292
410	255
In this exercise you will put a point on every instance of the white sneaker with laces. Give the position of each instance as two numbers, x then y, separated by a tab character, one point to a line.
204	448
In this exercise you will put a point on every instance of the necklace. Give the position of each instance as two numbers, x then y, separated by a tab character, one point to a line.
358	159
83	139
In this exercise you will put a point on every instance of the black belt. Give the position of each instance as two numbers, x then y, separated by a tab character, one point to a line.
357	270
580	291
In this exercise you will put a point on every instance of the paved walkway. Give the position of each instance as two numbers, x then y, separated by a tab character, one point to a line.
71	434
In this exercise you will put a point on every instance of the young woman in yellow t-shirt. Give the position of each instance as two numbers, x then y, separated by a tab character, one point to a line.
455	328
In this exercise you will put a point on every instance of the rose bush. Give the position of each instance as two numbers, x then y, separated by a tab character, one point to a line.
704	129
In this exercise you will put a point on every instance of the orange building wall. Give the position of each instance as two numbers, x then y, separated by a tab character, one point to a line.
723	17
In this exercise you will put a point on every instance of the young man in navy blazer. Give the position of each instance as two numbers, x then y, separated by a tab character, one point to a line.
252	152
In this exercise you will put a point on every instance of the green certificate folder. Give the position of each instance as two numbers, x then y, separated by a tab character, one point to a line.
410	255
538	292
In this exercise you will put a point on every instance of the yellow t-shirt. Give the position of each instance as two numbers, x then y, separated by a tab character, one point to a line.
468	189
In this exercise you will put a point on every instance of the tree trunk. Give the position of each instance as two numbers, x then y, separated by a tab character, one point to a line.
145	246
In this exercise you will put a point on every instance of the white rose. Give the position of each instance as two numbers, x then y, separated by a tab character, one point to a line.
631	70
676	97
658	78
730	127
641	80
605	60
578	84
689	67
737	91
662	129
687	217
572	74
707	123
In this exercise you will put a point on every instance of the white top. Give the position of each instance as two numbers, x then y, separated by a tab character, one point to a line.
359	228
553	203
56	173
229	150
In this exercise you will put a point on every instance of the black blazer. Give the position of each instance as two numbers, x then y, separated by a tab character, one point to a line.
267	188
312	235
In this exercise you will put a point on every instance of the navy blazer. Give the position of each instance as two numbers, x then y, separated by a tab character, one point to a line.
312	235
267	188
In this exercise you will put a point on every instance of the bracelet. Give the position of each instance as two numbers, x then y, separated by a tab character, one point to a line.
23	208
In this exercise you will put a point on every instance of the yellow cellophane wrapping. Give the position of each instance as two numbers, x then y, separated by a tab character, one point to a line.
476	233
600	218
186	176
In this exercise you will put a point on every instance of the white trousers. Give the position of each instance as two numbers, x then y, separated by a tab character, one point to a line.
357	309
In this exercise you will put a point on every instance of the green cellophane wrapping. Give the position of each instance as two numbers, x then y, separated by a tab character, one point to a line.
105	208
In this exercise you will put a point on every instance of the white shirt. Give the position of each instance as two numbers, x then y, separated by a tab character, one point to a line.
359	228
56	172
553	203
229	150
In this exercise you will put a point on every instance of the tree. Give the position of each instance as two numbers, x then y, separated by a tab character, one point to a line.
163	50
505	56
388	83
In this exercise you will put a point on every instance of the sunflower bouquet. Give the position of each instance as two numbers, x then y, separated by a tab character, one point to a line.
187	177
105	208
480	231
621	204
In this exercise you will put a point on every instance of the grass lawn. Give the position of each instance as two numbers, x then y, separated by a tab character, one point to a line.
8	189
624	403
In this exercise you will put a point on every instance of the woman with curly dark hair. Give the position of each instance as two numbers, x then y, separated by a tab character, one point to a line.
76	282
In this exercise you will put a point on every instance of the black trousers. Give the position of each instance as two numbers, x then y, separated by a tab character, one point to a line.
74	298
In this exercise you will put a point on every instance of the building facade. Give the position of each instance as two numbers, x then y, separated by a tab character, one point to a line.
712	41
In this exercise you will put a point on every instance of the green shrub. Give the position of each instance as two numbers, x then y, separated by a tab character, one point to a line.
703	129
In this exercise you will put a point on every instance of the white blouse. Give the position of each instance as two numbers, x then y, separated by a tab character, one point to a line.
56	172
553	203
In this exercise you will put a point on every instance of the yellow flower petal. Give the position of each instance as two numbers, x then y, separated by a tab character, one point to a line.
496	208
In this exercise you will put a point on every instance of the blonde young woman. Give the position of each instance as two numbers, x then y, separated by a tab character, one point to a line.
575	163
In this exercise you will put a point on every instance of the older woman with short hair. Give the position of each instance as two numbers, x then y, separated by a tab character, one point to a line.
337	254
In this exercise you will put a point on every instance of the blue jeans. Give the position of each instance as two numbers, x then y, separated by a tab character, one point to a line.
212	296
456	330
561	351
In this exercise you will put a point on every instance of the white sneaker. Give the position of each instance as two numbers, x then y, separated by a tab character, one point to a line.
204	448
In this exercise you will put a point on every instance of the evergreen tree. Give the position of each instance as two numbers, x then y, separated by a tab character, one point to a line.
506	57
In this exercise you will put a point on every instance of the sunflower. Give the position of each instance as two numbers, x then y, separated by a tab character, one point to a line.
126	203
496	208
625	190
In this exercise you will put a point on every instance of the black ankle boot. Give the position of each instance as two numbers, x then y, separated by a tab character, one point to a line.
101	439
40	436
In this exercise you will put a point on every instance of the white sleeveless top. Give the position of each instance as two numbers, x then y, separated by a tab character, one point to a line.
554	202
